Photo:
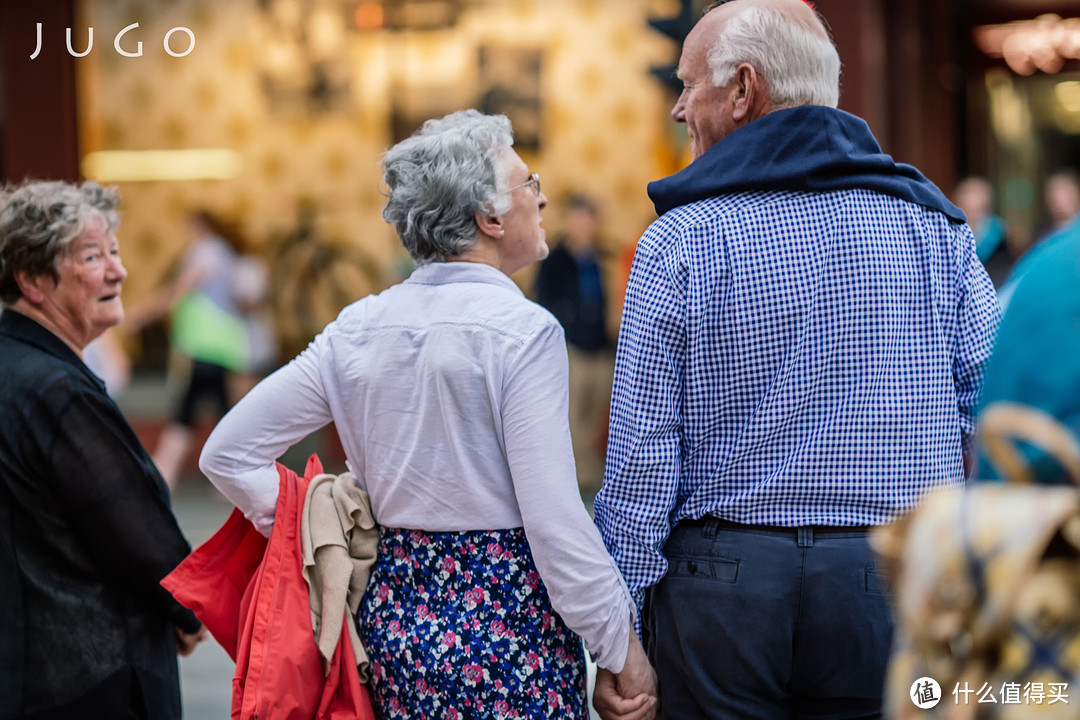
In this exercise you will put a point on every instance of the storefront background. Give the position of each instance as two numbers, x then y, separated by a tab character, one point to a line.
299	98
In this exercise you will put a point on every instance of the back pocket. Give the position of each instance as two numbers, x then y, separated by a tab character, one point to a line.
877	581
723	570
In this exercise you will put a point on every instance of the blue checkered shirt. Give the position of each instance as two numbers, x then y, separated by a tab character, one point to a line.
791	359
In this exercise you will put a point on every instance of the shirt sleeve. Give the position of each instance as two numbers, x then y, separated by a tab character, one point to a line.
240	453
117	503
979	317
585	587
644	443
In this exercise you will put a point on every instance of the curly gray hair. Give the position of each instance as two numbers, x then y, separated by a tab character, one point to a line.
438	179
38	221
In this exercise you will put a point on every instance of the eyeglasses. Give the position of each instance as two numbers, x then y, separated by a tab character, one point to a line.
533	180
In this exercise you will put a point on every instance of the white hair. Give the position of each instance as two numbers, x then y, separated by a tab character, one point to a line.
438	179
799	63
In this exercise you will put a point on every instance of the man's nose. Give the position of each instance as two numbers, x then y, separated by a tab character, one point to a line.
678	113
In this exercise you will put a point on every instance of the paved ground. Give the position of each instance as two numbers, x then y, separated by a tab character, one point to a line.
205	675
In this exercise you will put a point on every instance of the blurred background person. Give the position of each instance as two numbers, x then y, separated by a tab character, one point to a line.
1063	207
251	289
975	196
570	283
109	361
449	392
1035	354
1062	198
86	529
207	328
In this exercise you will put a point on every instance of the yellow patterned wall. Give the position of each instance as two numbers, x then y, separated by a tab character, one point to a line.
602	122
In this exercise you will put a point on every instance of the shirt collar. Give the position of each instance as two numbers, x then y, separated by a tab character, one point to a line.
442	273
29	331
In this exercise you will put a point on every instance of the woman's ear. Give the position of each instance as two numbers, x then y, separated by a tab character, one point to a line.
30	286
490	225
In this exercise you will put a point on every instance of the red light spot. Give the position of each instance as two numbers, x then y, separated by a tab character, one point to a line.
369	16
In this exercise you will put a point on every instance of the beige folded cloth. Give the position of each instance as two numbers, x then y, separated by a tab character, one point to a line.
339	542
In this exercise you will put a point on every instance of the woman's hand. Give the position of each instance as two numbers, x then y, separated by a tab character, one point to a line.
630	694
186	642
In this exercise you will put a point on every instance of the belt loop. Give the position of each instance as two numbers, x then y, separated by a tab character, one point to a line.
806	537
711	524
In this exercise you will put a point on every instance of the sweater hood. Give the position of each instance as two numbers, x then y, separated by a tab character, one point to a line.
810	148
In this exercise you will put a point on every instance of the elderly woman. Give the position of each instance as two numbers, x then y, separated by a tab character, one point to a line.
449	392
86	531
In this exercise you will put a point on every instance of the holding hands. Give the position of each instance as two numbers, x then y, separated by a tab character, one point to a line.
630	694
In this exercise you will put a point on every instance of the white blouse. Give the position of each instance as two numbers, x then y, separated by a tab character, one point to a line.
450	394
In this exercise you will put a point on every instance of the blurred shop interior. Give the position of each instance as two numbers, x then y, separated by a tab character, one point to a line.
276	117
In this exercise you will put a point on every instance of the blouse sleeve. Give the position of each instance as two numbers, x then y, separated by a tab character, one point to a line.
240	453
586	588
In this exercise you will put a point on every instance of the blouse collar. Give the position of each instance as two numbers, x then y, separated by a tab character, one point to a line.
441	273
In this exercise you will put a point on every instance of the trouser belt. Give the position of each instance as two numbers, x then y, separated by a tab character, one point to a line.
705	520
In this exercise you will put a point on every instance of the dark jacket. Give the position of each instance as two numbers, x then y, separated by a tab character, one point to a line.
558	288
808	148
86	534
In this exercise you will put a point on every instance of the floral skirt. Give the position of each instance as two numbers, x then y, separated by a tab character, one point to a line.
458	625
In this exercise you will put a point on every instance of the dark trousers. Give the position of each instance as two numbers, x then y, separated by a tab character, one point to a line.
768	623
207	380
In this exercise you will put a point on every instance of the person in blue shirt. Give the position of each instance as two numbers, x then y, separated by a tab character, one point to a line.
802	345
975	196
1034	370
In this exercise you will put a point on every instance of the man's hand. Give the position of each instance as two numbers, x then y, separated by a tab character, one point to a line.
186	642
630	694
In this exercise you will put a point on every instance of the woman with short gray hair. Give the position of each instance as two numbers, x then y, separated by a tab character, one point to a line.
39	220
86	532
435	189
449	393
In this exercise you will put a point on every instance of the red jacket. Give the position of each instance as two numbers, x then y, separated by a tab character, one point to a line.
251	595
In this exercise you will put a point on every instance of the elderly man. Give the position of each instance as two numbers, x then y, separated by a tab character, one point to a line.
803	341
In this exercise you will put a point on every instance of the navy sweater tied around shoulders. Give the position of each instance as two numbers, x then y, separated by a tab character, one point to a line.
810	148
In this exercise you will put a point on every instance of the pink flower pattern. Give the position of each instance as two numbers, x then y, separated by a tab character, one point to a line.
460	625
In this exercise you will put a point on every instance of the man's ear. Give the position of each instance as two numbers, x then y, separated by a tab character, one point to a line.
490	225
746	93
31	286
